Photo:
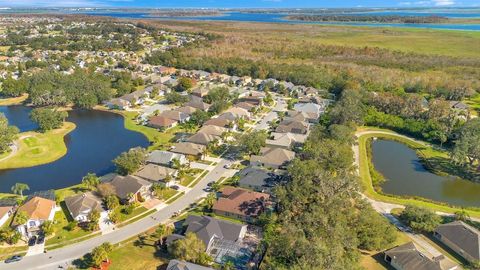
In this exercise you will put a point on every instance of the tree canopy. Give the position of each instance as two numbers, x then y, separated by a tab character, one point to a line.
130	161
48	119
7	134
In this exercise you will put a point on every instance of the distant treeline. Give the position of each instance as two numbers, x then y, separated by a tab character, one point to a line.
185	13
368	18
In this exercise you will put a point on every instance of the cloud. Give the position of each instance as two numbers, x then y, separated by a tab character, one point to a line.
443	2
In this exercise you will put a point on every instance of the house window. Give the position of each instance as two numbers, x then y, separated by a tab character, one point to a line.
32	223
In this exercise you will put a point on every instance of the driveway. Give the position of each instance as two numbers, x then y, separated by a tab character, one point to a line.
54	258
104	223
264	123
36	249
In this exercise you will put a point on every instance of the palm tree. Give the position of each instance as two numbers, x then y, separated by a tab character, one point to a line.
18	188
210	200
90	181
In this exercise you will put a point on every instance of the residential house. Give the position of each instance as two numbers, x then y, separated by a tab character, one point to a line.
274	158
189	149
246	106
461	238
131	188
155	173
213	130
117	103
221	122
285	140
180	117
7	208
202	138
292	126
212	232
312	110
137	97
239	112
38	210
165	158
182	265
186	110
257	179
81	205
458	105
242	204
200	92
161	122
408	257
198	104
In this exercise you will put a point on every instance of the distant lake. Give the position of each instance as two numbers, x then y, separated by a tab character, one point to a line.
405	175
279	18
99	137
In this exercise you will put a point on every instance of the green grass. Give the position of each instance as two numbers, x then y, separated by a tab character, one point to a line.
190	177
61	220
370	192
38	148
138	253
168	193
136	212
6	252
13	100
474	104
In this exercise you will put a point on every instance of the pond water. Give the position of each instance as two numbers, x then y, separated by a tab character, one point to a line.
405	175
99	137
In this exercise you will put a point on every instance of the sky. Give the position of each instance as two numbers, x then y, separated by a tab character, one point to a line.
238	3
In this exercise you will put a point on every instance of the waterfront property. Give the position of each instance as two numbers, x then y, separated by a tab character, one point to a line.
37	209
81	205
409	257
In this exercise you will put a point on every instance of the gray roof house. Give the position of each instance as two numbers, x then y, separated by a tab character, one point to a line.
257	179
155	173
285	140
189	149
408	257
126	185
311	109
165	158
272	158
462	238
182	265
81	205
292	126
211	230
175	115
202	138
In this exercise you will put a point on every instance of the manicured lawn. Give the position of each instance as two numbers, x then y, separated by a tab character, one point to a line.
168	193
6	252
191	175
38	148
367	181
137	211
139	253
60	233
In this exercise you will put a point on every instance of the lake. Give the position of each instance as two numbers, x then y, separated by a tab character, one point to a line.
405	175
279	18
99	137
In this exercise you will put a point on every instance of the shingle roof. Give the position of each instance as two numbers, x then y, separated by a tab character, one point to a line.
207	227
255	177
181	265
188	148
162	157
242	202
37	208
161	121
274	156
125	185
409	258
85	202
462	235
201	138
154	172
213	130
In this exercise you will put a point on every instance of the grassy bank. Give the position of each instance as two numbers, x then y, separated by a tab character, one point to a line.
13	100
366	178
38	148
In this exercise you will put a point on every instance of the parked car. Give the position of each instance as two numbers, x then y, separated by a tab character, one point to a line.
211	183
227	166
32	241
175	187
12	259
41	239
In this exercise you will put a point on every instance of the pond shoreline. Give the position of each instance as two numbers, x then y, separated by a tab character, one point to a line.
368	189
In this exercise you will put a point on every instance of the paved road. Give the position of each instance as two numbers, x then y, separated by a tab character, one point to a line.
54	258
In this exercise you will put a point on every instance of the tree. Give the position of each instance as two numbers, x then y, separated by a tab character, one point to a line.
374	231
7	134
18	188
101	254
9	235
105	190
112	202
210	200
14	88
199	117
176	98
251	143
184	84
47	227
349	109
467	148
114	215
162	231
90	181
420	219
190	248
20	218
131	161
48	119
220	99
462	215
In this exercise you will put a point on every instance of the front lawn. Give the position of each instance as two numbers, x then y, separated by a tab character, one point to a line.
137	211
190	177
61	234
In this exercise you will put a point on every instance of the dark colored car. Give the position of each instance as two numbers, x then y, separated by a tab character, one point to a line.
41	239
12	259
175	187
32	241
